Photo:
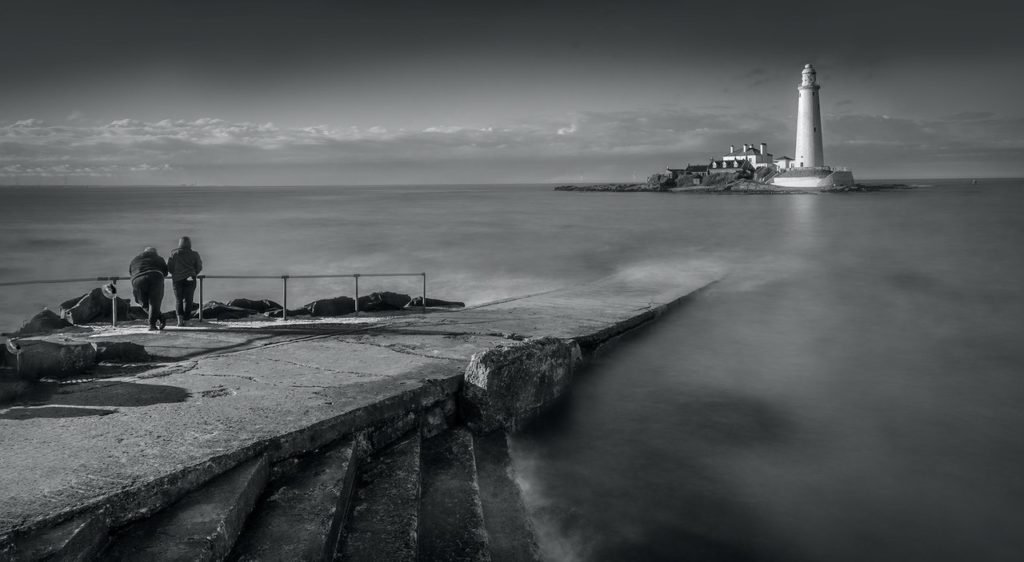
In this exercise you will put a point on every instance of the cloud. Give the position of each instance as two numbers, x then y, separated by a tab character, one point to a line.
597	145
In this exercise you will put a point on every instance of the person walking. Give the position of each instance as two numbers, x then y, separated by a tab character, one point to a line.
184	265
148	270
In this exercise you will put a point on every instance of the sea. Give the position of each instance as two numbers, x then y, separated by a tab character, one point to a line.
853	388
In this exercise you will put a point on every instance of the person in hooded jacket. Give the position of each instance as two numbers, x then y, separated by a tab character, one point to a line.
184	265
148	270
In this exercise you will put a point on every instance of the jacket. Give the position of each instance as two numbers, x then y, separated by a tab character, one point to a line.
147	262
184	262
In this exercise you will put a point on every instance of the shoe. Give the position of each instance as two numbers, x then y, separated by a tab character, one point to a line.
163	324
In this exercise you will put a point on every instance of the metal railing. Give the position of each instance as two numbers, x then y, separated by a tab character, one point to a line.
113	279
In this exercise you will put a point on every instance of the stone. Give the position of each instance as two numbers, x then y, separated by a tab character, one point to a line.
338	306
375	302
214	310
508	385
44	321
94	306
434	303
44	359
260	306
121	352
278	313
136	313
451	519
510	532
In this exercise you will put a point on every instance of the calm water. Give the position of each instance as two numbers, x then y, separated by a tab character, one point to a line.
851	391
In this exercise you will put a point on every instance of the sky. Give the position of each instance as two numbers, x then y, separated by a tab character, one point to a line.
249	92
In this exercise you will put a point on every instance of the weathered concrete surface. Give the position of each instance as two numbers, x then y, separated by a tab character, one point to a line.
282	388
202	526
451	518
385	515
511	535
301	515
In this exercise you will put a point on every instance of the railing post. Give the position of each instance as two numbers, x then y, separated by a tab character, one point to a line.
201	277
284	298
424	292
356	275
113	303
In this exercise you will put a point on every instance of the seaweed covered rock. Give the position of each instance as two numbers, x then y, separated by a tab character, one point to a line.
434	303
214	310
43	322
375	302
121	352
93	306
260	306
279	312
44	359
338	306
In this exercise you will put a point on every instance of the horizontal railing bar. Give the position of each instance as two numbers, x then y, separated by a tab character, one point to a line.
55	281
392	274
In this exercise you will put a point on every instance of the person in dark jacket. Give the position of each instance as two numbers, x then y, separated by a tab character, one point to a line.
148	270
184	264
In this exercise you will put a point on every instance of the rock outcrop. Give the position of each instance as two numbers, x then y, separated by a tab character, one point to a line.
278	313
43	322
434	303
93	306
338	306
38	359
121	352
376	302
214	310
507	385
259	306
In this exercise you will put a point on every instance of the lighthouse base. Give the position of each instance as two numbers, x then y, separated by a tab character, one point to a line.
813	178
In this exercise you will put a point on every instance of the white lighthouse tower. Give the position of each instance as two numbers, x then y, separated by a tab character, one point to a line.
809	153
809	170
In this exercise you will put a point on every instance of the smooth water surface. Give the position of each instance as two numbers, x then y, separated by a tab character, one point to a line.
850	391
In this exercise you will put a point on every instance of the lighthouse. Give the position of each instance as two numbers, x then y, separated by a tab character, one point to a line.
809	153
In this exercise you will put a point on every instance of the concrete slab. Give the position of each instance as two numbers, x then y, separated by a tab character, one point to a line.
451	519
511	535
202	526
301	516
385	515
129	445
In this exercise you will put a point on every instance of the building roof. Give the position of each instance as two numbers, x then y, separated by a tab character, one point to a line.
783	158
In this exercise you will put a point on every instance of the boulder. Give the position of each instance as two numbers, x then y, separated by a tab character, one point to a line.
170	315
277	313
135	313
43	322
214	310
436	303
121	352
260	306
338	306
37	359
508	385
94	306
375	302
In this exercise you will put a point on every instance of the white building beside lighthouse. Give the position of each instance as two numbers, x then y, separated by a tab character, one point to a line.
808	167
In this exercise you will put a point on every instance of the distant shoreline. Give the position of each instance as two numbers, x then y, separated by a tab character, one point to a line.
742	187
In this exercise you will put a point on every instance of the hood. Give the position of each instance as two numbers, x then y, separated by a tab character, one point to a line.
185	243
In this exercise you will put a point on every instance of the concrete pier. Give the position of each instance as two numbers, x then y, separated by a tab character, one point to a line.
123	448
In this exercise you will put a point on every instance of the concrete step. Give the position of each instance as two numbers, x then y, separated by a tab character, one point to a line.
384	520
301	514
77	540
451	518
509	530
201	526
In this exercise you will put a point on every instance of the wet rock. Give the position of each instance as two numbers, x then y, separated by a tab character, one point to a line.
93	306
43	322
214	310
507	385
436	303
375	302
121	352
38	359
260	306
277	313
338	306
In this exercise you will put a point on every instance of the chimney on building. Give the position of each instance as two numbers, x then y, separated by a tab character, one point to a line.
764	148
732	149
